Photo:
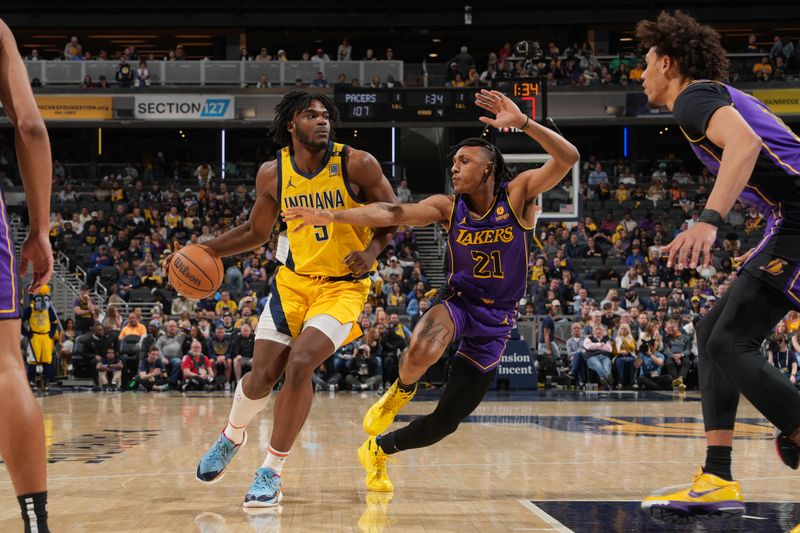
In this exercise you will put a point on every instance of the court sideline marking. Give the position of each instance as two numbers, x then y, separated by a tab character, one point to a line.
552	522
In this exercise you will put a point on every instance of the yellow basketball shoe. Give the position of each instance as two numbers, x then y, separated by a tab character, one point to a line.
374	462
381	415
709	497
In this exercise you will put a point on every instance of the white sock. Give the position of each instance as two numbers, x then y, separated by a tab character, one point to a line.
275	460
242	412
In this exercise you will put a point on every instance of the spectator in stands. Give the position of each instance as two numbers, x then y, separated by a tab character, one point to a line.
263	55
779	69
102	82
142	75
597	351
204	174
403	192
573	249
363	373
225	304
325	377
597	176
625	355
548	347
73	51
463	61
85	310
345	51
151	374
124	74
198	373
242	350
133	327
369	55
424	305
220	351
575	353
170	344
263	83
320	56
763	70
113	320
87	82
109	368
319	81
677	346
651	360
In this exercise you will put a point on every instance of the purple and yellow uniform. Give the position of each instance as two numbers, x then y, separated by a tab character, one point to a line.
773	189
487	263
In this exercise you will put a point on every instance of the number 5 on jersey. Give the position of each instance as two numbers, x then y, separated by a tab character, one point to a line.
482	264
321	233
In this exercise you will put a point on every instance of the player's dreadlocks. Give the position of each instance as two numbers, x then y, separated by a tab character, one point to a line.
500	169
696	47
293	103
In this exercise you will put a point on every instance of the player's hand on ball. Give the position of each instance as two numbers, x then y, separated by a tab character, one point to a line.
684	251
359	263
507	114
307	216
166	259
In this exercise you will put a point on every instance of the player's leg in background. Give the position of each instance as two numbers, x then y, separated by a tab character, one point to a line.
466	386
432	335
729	340
430	338
22	443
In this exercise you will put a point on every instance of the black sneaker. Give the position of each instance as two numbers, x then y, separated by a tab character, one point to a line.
788	451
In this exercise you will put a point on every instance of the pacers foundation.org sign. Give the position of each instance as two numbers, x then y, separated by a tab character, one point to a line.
74	107
183	107
780	100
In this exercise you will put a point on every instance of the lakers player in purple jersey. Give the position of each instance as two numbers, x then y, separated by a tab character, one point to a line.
22	445
487	221
755	158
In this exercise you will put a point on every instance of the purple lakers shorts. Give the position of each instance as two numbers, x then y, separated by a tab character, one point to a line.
9	280
483	330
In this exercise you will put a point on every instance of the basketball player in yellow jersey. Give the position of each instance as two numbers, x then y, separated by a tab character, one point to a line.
21	430
319	290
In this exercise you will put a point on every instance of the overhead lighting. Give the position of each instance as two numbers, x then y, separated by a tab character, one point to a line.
186	45
127	41
625	39
29	45
49	36
436	40
433	54
189	36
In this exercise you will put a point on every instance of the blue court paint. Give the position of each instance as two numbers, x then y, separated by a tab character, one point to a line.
626	516
676	427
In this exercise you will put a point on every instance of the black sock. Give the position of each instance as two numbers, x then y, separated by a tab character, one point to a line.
406	388
386	443
718	462
34	507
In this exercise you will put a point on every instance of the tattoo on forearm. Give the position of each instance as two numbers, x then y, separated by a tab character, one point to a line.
435	332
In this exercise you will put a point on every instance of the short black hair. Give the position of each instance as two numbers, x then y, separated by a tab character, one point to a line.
502	172
295	102
696	47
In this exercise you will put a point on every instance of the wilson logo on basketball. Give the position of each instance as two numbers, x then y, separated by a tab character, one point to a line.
184	269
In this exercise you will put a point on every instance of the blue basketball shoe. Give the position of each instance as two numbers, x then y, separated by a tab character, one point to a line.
265	490
212	465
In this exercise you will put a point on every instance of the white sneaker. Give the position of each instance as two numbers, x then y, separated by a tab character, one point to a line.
227	387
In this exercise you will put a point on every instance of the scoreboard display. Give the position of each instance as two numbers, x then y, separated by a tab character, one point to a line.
433	104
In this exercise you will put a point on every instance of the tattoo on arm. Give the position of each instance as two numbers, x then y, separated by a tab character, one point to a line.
435	332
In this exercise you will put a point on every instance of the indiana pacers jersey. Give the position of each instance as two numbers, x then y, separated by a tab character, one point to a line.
318	250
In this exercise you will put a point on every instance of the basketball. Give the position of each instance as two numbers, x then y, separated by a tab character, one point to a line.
196	271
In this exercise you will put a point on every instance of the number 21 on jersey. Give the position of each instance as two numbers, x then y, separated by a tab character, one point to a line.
487	265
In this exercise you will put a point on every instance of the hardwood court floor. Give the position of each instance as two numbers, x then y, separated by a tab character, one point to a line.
529	462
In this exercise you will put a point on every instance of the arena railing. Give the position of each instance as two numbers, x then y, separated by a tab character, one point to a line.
236	73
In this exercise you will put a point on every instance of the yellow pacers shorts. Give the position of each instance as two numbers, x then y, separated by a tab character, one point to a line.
295	299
